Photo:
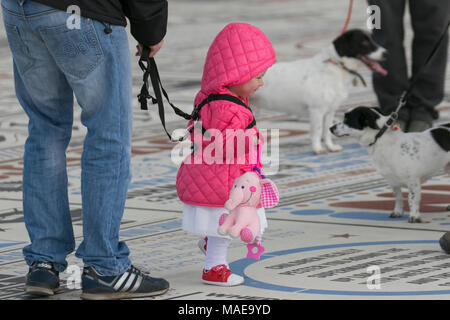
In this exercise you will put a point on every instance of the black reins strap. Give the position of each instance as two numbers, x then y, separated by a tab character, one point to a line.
148	66
214	97
227	97
151	70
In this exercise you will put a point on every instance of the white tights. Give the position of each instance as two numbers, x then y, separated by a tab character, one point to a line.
216	252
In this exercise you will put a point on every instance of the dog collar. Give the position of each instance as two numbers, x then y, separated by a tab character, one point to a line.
353	72
393	117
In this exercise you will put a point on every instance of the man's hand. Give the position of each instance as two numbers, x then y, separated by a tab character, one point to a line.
153	49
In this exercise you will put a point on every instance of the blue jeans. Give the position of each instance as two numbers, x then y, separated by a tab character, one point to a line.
52	63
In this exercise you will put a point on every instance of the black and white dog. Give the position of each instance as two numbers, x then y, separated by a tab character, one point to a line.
319	84
403	159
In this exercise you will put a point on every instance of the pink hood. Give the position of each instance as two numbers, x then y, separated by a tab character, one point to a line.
238	53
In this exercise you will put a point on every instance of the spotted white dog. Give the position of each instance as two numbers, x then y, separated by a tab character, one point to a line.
403	159
319	84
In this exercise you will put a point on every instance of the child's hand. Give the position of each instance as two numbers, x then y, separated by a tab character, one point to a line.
153	49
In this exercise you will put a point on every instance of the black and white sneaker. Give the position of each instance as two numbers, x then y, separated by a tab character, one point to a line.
133	283
42	279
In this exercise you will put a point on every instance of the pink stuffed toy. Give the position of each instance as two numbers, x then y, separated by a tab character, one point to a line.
248	191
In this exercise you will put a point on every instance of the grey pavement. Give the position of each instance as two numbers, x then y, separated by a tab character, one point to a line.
332	223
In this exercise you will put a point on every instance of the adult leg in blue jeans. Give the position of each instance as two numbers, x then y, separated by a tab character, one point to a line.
52	63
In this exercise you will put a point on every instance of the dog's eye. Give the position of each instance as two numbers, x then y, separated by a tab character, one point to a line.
366	43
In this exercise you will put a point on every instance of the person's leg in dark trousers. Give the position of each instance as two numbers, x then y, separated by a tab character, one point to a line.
429	19
390	36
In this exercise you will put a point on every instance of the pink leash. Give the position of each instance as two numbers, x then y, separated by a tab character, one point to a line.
349	14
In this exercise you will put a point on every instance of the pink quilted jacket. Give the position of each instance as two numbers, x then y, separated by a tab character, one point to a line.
238	53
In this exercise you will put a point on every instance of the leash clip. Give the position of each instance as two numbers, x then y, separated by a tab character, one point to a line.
392	118
402	101
389	122
184	137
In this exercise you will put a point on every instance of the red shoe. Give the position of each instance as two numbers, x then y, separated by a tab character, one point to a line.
221	276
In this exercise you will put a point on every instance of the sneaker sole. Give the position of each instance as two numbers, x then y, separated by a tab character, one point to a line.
222	284
39	291
120	295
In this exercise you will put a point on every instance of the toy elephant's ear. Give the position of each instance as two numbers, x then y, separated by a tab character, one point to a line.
269	193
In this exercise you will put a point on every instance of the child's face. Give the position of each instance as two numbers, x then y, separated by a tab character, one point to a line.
248	88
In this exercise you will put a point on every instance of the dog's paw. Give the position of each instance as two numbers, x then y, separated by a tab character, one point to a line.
320	151
335	148
396	215
413	219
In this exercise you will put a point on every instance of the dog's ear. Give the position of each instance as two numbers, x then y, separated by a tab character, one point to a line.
368	118
343	44
354	42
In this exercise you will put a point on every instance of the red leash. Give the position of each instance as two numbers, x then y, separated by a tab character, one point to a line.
349	14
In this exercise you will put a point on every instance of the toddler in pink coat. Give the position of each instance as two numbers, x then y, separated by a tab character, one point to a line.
227	144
